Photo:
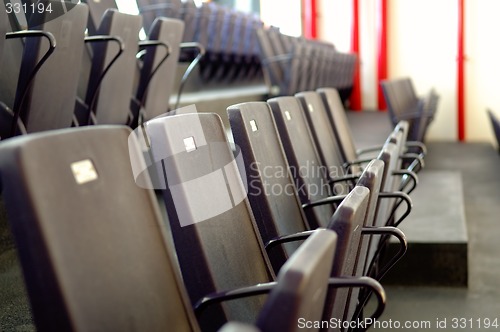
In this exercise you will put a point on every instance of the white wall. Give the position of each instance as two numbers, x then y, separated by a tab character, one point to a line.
423	45
368	49
285	14
482	46
335	22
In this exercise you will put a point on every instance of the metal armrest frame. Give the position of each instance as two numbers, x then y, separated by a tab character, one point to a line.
52	46
407	175
324	201
260	289
288	238
403	198
192	65
99	39
145	44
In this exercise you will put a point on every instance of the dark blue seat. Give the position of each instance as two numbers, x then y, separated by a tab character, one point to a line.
495	123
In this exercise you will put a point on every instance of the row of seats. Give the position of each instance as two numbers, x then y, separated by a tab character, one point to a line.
227	35
293	64
95	79
404	104
100	251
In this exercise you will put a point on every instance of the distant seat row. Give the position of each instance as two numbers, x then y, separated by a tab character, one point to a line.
53	75
98	253
293	64
57	77
404	104
227	35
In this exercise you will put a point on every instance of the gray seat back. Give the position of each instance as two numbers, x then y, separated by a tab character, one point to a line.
324	138
338	120
271	189
214	230
347	222
112	105
302	285
91	243
159	89
50	97
309	175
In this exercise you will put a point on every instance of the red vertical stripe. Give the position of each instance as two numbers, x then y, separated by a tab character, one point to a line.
310	15
382	51
461	72
355	100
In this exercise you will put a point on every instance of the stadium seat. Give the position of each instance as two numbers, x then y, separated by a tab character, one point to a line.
212	236
303	158
93	249
113	71
271	191
313	179
158	73
119	254
46	90
404	104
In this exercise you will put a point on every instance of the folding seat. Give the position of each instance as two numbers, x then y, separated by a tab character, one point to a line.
404	104
190	50
111	267
273	74
92	258
495	123
327	145
307	73
10	64
430	103
398	100
294	297
213	237
237	47
311	179
252	47
46	89
212	40
331	111
113	70
227	31
10	56
282	61
277	209
158	70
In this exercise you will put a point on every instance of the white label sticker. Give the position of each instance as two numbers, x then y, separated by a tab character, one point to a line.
253	124
189	144
84	171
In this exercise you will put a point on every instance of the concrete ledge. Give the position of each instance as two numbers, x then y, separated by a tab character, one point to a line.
436	232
